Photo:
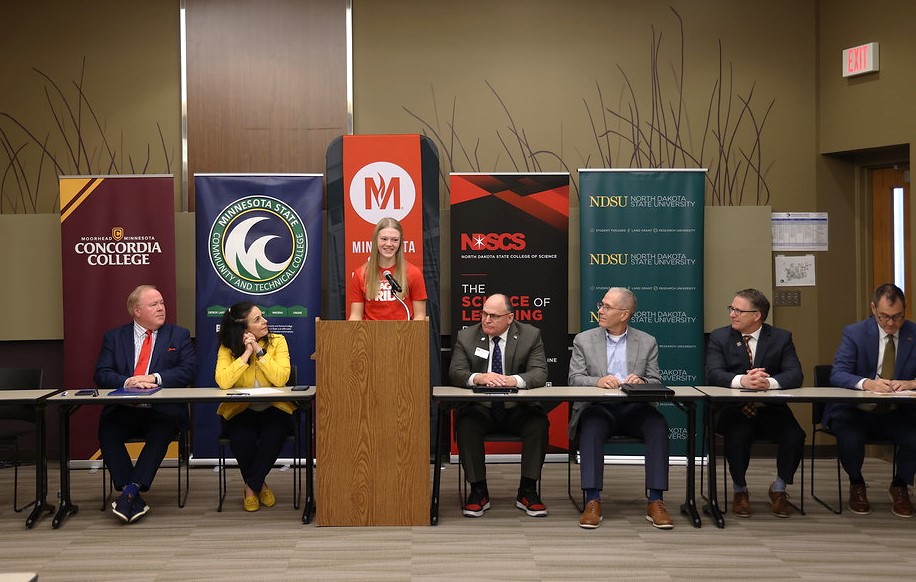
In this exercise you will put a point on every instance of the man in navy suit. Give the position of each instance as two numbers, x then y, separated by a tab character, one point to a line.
878	355
606	357
500	352
167	361
752	355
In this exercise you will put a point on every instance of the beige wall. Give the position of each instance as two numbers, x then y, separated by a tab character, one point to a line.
115	64
547	61
475	78
854	115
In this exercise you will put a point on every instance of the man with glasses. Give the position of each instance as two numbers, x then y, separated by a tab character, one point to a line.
500	352
752	355
877	355
607	356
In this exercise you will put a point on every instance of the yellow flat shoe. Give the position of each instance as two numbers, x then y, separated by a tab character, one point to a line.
251	503
267	497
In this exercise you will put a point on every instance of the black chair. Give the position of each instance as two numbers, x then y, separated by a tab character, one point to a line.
490	438
295	439
822	379
573	458
183	439
14	425
801	486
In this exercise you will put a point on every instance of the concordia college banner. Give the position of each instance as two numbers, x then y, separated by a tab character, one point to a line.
643	229
510	234
117	232
258	239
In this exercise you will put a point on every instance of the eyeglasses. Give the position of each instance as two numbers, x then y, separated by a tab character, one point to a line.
740	311
493	316
885	318
607	307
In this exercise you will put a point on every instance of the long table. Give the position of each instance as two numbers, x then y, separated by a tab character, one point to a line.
718	395
447	397
35	398
69	401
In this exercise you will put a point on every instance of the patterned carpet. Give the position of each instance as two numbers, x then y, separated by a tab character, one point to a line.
197	543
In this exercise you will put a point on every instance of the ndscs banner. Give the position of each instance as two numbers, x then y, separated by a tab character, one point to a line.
510	235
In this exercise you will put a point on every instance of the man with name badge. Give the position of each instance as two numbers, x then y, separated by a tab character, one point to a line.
500	352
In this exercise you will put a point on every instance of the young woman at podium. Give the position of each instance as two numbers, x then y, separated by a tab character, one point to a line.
250	356
387	286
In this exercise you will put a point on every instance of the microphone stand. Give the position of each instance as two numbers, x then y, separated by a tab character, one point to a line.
404	304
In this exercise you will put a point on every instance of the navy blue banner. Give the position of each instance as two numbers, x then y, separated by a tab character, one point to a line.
258	239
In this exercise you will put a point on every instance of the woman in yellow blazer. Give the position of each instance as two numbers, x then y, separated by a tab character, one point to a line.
251	356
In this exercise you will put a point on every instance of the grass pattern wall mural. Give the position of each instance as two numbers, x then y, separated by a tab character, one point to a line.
74	139
647	127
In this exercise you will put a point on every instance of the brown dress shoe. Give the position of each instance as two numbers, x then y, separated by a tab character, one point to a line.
901	505
591	517
858	501
657	514
741	504
779	504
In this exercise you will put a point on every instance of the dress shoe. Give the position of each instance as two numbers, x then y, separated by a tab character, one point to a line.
657	515
591	517
901	505
779	504
266	496
858	501
252	503
741	504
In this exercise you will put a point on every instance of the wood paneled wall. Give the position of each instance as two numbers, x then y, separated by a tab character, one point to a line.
267	88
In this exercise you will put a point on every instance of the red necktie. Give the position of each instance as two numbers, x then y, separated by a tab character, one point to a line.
145	350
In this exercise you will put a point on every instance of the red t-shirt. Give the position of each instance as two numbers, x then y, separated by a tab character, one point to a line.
385	305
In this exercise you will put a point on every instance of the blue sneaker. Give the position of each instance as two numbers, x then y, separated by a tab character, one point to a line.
122	507
138	508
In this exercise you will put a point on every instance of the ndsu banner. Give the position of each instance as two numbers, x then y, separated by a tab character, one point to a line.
643	229
371	177
117	232
258	238
510	235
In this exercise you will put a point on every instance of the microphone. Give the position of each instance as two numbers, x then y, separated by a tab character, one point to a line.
391	281
397	289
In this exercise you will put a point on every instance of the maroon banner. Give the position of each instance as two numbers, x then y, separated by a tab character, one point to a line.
117	232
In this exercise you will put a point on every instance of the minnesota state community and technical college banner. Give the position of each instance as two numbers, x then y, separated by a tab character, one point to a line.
643	229
258	239
510	235
117	232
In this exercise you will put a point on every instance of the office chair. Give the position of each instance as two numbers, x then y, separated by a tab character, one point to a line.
183	438
822	379
15	425
295	439
572	458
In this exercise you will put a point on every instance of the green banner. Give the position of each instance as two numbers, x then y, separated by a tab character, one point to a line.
643	229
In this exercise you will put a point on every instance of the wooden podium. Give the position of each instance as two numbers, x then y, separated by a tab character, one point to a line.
372	404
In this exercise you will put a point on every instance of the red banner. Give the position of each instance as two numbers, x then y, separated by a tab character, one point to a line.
382	177
117	232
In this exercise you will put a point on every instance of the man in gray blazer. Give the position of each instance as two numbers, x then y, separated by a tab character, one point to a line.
606	357
500	352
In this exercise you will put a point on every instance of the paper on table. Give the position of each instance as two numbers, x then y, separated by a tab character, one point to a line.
258	391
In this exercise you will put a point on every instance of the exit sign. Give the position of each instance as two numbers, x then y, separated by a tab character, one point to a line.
861	59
